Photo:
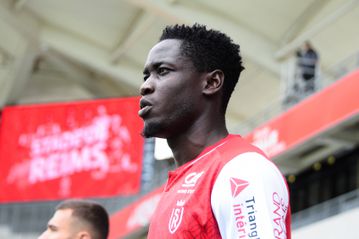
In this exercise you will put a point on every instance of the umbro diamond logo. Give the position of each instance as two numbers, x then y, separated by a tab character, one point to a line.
237	186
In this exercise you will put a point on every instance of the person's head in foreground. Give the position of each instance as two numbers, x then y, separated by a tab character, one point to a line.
78	219
189	76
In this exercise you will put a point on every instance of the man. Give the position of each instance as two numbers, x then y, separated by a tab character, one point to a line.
78	219
307	62
223	186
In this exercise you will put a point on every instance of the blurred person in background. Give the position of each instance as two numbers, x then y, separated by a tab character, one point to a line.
78	219
223	187
307	60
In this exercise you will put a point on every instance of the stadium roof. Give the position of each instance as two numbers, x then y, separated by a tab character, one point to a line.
111	38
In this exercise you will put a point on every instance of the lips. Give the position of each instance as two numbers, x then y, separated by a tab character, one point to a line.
145	107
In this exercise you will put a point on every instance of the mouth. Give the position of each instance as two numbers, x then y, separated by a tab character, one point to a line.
145	107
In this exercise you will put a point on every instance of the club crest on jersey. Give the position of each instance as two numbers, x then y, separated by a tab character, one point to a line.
191	179
176	216
237	186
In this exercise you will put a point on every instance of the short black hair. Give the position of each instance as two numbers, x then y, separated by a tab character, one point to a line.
209	50
90	212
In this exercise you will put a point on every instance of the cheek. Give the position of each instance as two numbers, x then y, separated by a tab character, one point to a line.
175	103
49	235
176	92
182	93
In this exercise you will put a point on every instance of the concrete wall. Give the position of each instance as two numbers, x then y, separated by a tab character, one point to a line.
344	225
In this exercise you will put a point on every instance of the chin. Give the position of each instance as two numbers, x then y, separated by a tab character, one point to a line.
152	129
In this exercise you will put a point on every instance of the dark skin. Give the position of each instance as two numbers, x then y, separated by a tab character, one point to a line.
181	104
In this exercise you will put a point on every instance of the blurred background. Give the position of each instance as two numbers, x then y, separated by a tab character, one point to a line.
297	99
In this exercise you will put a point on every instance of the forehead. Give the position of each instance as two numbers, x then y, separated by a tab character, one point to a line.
61	217
165	51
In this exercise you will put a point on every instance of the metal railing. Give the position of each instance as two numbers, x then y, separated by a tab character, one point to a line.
325	78
326	209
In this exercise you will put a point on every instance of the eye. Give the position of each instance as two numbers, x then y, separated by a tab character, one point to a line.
52	228
145	76
163	71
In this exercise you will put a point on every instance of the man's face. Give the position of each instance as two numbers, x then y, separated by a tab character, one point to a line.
171	93
61	226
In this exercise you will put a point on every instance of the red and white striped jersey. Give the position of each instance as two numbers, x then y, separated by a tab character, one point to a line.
231	190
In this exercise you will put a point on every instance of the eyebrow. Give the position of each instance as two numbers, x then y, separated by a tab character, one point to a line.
153	65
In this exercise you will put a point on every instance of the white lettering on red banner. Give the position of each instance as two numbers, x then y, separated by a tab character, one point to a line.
72	148
267	139
55	153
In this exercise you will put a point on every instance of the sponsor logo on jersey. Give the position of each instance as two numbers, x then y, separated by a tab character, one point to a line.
237	186
245	218
176	216
244	210
190	182
191	179
280	208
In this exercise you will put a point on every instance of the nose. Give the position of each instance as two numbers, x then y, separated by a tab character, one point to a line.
147	87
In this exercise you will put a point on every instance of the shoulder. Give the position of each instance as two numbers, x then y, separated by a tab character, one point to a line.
252	166
250	174
248	194
255	161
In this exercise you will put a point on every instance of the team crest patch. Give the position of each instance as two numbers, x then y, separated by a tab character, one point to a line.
176	217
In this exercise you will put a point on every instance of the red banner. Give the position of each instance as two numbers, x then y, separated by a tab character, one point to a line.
135	216
82	149
320	112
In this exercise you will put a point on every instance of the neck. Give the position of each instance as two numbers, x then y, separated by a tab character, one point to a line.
188	145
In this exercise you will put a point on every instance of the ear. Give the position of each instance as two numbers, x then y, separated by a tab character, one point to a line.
213	82
84	235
